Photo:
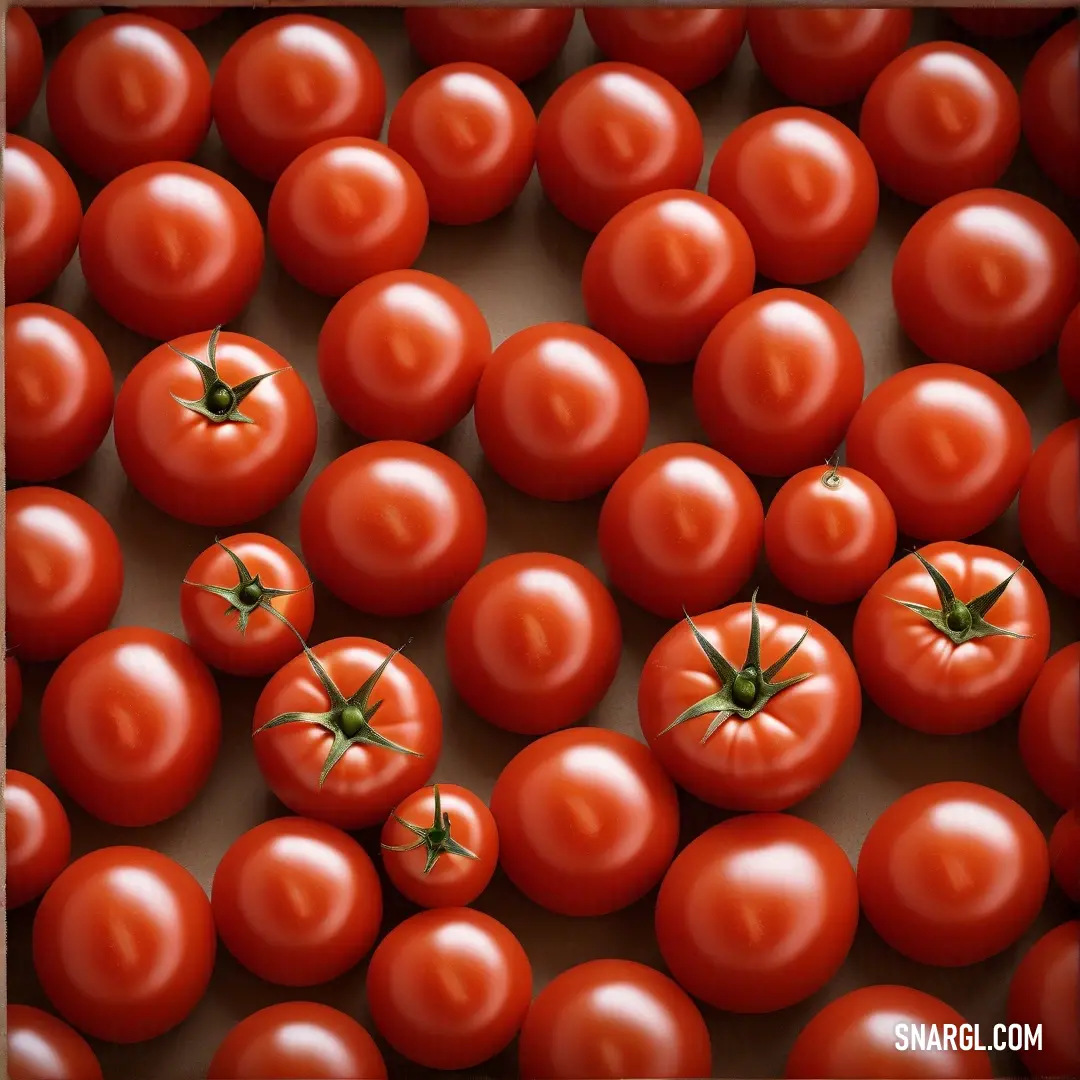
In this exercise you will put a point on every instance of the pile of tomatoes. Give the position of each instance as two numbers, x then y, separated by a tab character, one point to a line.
743	705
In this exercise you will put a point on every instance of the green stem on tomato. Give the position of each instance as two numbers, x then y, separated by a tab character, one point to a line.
434	838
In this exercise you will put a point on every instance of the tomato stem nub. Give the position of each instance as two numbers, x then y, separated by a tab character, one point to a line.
831	478
435	838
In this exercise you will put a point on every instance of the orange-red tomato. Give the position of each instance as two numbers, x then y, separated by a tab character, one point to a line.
183	18
38	837
1050	728
1065	854
1068	355
39	1045
1002	22
1048	107
24	68
13	695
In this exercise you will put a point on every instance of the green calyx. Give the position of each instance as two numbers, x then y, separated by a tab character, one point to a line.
434	838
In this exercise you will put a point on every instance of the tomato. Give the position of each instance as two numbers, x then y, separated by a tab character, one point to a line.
214	429
1002	22
611	1019
401	354
38	837
13	692
64	572
948	446
58	392
663	271
588	822
855	1036
171	248
717	729
1050	728
268	604
1065	854
1068	356
183	18
610	134
440	846
41	1047
393	528
560	411
449	988
940	119
681	530
757	913
533	643
25	66
1047	99
777	382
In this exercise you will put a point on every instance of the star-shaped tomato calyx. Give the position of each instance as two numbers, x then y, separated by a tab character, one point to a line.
435	838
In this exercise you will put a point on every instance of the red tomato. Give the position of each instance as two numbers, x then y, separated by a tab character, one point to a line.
293	81
297	1038
393	528
261	583
58	392
717	729
940	119
804	187
533	643
38	837
214	429
1068	356
440	846
40	1046
825	56
64	572
1002	22
757	913
607	1019
319	745
25	67
777	382
560	411
401	354
610	134
1047	105
13	694
1050	728
449	988
588	822
855	1036
171	248
948	446
183	18
681	530
1065	854
663	271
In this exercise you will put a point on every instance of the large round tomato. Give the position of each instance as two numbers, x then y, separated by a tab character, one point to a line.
588	822
1048	107
757	913
25	66
38	837
214	429
40	1046
1000	21
760	736
608	1019
449	988
1065	854
124	944
13	693
64	572
1068	356
393	528
1050	728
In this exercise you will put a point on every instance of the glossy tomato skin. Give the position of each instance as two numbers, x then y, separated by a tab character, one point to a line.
124	944
1002	22
1047	95
25	66
1068	355
38	837
393	528
1065	854
183	18
13	693
607	1019
588	821
533	642
39	1045
1050	728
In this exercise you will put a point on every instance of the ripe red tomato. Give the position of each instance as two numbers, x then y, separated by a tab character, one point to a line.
1050	728
1068	357
229	598
765	735
171	248
64	572
608	1019
1065	854
940	119
183	18
38	837
533	643
610	134
948	446
13	696
393	528
25	67
39	1045
663	271
320	747
757	913
560	411
588	821
214	429
804	187
1002	22
1047	99
449	988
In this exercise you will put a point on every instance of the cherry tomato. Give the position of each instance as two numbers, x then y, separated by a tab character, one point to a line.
58	392
40	1046
939	120
38	837
1050	728
607	1019
663	271
560	411
681	530
64	572
948	446
236	443
610	134
229	598
1068	356
1048	107
1065	854
171	248
25	66
393	528
757	913
1002	22
13	694
449	988
183	18
588	821
774	730
401	354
